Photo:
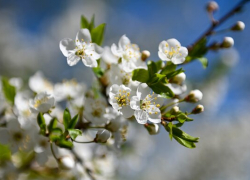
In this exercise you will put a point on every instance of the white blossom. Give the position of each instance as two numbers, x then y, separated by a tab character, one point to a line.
171	50
38	83
120	99
81	49
146	105
43	102
129	53
67	162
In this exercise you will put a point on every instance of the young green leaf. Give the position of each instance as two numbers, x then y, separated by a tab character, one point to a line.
66	118
65	144
152	68
9	91
97	34
181	134
52	124
92	23
5	154
74	133
204	62
41	123
140	75
56	134
98	71
174	73
73	122
170	67
170	126
184	142
84	22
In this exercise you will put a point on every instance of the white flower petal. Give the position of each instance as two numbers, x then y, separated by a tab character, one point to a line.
127	112
177	89
66	45
143	90
73	59
84	35
135	103
89	61
116	51
173	43
163	56
162	46
154	114
141	116
124	40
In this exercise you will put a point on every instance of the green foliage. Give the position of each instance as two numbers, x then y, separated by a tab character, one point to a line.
9	91
174	73
5	154
66	118
56	134
64	144
204	62
41	123
53	124
198	52
140	75
97	33
74	133
180	136
98	71
73	122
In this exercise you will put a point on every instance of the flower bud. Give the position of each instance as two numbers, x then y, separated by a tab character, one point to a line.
66	162
102	136
194	96
215	46
152	128
198	109
114	125
212	6
239	26
144	55
174	110
227	42
179	78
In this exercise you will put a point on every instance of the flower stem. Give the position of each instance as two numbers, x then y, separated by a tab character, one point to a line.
53	152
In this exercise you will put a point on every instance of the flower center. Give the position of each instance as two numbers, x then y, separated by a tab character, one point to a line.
38	102
173	51
123	98
148	103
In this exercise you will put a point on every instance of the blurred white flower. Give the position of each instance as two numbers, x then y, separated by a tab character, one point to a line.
129	54
38	83
171	50
67	162
146	105
120	99
43	102
102	136
81	49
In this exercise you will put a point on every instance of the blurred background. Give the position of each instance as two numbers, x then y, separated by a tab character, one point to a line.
30	32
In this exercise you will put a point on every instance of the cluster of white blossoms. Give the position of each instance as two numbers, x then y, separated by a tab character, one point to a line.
36	119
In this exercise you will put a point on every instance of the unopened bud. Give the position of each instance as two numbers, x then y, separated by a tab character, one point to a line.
239	26
198	109
144	55
66	162
194	96
227	42
102	136
152	128
114	125
179	78
174	110
215	46
212	6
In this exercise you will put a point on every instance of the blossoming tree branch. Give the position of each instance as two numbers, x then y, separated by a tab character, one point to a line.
130	88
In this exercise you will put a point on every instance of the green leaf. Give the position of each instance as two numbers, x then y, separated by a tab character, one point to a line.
64	144
66	118
52	124
152	68
157	78
140	75
92	23
5	154
174	73
170	126
181	134
184	142
182	117
9	91
170	67
56	134
74	133
158	64
84	22
204	62
41	123
162	89
97	34
98	71
73	122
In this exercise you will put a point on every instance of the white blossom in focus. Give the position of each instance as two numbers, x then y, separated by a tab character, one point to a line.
81	49
146	105
120	99
171	50
129	53
43	102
